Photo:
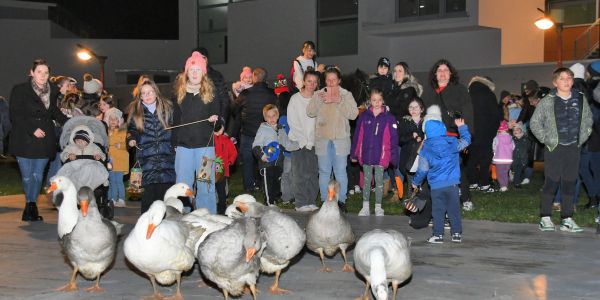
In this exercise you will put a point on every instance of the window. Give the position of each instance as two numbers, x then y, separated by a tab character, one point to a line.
337	27
575	12
212	29
429	9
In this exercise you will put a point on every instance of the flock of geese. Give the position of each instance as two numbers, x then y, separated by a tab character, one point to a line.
231	250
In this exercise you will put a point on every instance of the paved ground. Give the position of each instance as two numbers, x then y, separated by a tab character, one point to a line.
495	261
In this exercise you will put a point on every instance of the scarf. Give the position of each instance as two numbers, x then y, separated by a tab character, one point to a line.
192	88
43	93
151	107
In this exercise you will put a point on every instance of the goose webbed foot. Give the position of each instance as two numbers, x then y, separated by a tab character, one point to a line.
275	289
325	269
96	287
347	268
72	285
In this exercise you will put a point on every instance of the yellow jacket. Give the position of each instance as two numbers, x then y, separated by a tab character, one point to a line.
117	150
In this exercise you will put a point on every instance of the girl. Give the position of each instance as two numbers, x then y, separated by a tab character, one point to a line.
503	146
410	135
105	103
374	146
119	157
195	95
244	83
149	115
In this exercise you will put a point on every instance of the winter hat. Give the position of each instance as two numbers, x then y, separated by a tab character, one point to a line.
434	115
218	125
113	112
578	70
82	135
281	84
531	85
91	85
594	68
246	71
383	61
503	126
503	94
196	59
519	125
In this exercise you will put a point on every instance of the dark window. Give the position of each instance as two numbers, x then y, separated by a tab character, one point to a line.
212	29
416	9
162	78
574	12
337	27
133	78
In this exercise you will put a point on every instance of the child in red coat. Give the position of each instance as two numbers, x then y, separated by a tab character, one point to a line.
226	153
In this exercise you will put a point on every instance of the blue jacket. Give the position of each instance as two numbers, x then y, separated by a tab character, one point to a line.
154	150
439	159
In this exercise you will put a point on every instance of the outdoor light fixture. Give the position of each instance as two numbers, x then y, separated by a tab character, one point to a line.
86	54
546	22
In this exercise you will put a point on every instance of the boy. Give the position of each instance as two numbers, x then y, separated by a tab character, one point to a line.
271	159
563	122
227	153
439	161
83	144
382	80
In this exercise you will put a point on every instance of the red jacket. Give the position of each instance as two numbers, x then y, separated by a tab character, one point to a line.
225	149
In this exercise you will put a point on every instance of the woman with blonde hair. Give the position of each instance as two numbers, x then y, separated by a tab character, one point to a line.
195	94
149	116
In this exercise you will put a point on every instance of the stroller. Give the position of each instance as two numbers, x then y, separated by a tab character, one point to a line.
85	170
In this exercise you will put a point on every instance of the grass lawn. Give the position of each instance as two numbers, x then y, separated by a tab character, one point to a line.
516	206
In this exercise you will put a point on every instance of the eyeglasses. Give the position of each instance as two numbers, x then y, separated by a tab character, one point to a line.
147	93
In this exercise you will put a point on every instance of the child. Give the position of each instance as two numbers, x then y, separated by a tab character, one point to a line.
439	161
271	170
119	157
83	144
382	80
227	153
514	108
374	146
503	146
105	103
68	106
520	153
244	83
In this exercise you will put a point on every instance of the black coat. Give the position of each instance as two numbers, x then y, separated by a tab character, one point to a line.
487	119
221	95
399	98
192	109
28	113
154	151
454	98
410	146
249	105
384	83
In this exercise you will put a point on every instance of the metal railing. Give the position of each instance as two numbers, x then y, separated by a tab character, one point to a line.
587	42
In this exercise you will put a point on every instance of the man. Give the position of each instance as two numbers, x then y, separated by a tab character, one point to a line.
248	109
563	122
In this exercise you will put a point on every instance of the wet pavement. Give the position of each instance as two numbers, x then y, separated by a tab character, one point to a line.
495	261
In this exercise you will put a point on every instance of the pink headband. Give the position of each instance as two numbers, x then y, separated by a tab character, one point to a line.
196	59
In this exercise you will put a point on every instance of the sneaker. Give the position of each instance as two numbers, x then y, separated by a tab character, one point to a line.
597	220
379	212
457	238
436	239
525	181
484	188
357	189
313	207
569	225
305	208
503	189
120	203
468	206
489	190
473	186
364	212
546	224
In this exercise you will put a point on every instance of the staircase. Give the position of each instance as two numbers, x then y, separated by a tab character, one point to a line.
587	44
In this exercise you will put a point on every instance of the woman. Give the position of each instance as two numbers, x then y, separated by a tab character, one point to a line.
406	88
333	107
195	94
33	139
149	116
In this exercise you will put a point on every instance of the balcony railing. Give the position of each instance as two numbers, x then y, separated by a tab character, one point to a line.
586	44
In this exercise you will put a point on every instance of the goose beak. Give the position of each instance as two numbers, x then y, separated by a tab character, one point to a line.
150	230
53	187
84	206
242	206
250	253
189	193
331	194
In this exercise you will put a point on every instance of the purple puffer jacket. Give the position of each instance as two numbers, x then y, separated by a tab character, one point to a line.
375	139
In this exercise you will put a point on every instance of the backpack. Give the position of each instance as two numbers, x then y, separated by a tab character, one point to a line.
291	83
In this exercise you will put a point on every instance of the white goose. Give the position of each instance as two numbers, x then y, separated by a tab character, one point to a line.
161	248
383	256
88	240
174	205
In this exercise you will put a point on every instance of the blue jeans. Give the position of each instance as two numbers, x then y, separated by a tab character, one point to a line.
116	188
445	200
32	175
248	169
338	163
187	163
54	166
589	170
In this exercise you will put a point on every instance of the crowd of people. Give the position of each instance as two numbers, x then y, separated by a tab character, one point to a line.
438	135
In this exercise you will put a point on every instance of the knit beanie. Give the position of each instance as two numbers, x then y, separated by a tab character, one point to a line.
503	126
91	85
113	112
519	125
383	61
578	70
246	71
196	59
434	115
594	68
82	135
281	84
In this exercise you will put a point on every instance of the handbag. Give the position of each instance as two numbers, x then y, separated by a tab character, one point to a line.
205	171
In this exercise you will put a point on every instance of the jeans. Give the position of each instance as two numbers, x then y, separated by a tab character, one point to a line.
338	164
368	171
589	170
445	200
187	164
248	164
55	164
32	175
116	188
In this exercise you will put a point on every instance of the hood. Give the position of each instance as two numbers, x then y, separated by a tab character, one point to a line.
84	128
413	82
484	81
521	126
434	128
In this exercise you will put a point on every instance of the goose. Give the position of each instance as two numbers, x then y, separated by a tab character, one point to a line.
230	257
161	248
232	210
174	205
329	230
382	256
284	239
88	240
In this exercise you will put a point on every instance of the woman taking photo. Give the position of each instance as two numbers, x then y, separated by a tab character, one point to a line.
195	94
33	139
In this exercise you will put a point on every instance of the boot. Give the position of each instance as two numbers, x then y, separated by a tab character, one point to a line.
26	213
386	187
33	212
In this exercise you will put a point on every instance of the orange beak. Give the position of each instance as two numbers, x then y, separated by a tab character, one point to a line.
189	193
150	230
242	206
331	194
84	206
250	253
53	187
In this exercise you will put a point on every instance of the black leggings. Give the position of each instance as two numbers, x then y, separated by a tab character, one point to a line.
152	192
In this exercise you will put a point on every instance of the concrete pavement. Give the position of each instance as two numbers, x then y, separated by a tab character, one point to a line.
495	261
